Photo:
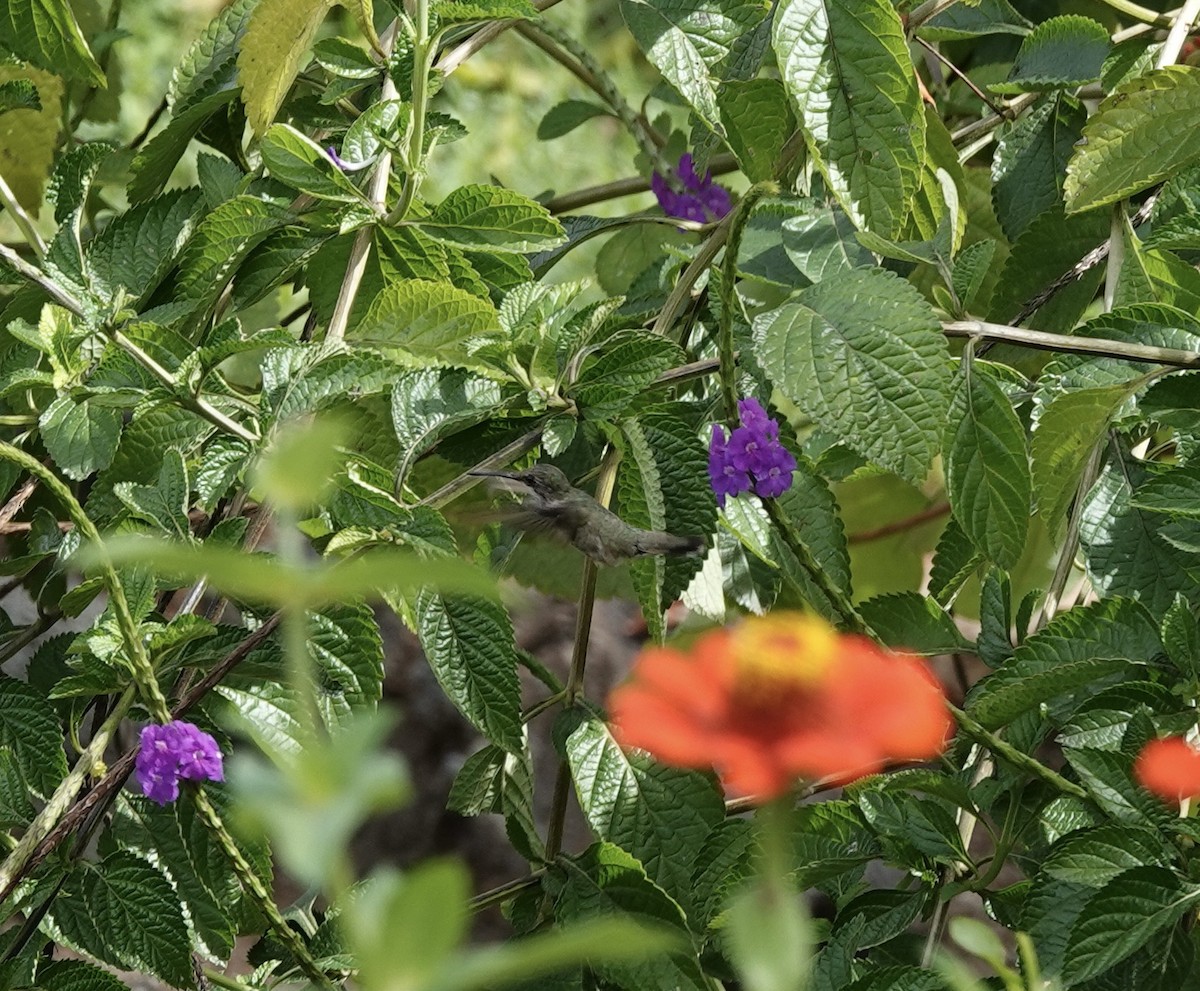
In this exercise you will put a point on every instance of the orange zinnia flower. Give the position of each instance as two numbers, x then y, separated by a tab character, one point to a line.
777	698
1169	768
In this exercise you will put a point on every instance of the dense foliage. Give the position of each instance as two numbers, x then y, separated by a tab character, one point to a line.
251	356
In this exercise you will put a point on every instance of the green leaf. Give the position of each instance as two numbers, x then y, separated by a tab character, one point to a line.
29	138
863	354
973	20
1060	53
469	645
605	881
1031	160
458	11
184	847
30	730
1140	135
1108	777
911	622
987	467
686	41
19	94
492	780
298	161
1067	433
1176	491
377	127
663	485
429	404
494	219
628	362
259	579
658	814
433	321
955	559
164	505
73	176
46	33
821	242
278	36
1181	637
76	975
347	654
222	241
846	66
81	437
124	912
1124	915
1094	857
211	62
156	160
563	118
1126	549
1075	650
297	380
758	121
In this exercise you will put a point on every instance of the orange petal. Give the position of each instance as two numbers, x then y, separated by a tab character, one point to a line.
1169	768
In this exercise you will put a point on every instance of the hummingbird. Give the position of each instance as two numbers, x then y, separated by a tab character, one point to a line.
551	503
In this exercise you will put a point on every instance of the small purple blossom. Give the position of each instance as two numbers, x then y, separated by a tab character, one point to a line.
751	459
702	200
173	752
337	159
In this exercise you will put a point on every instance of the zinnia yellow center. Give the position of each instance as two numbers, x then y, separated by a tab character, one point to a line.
782	651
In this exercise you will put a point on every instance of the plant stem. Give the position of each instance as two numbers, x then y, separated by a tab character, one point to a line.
262	898
1139	13
574	687
572	56
22	219
1180	27
356	264
482	37
718	165
39	278
955	70
1174	357
415	151
504	891
682	290
985	125
927	11
1011	755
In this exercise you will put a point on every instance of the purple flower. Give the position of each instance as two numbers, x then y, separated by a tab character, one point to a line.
172	752
337	159
752	458
726	478
702	199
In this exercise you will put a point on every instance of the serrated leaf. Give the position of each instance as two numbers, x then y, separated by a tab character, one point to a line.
493	219
971	269
987	467
428	404
433	321
30	730
81	437
457	11
221	242
1076	649
19	94
124	912
1060	53
210	64
686	41
973	20
297	161
154	163
1176	491
1181	637
46	33
276	39
1140	135
1031	160
165	504
758	121
298	380
564	117
955	559
492	780
627	364
863	354
658	814
381	123
909	621
846	66
1126	551
78	975
469	645
1093	857
1067	433
347	654
605	881
1124	915
822	241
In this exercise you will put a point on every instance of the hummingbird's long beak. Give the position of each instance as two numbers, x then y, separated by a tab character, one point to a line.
482	473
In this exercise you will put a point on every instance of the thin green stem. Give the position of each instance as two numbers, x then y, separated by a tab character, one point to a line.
682	290
1139	13
1010	111
1014	757
142	669
39	278
576	59
254	886
8	200
220	980
927	11
503	892
424	50
729	299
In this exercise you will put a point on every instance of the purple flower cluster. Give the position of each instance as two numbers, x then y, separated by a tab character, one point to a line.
173	752
751	459
702	199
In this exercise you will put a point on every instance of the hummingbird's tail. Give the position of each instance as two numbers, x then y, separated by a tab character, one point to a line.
654	542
